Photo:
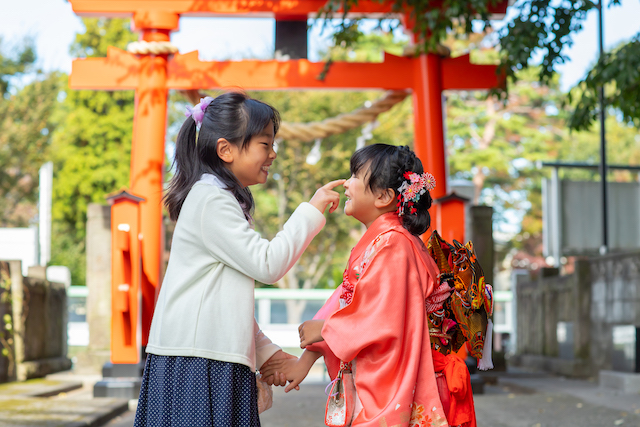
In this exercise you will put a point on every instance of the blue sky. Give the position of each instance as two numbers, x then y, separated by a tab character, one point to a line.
53	25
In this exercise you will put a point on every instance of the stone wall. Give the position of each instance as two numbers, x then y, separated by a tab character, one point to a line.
615	287
38	310
603	292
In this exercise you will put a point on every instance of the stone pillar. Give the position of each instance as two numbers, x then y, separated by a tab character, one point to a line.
482	238
99	283
17	308
582	321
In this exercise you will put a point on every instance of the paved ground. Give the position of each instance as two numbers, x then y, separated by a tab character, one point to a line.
516	399
58	401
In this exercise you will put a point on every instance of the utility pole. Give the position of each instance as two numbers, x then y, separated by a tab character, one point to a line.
603	142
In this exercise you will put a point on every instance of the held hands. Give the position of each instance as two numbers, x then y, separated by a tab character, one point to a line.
325	196
296	369
276	377
310	332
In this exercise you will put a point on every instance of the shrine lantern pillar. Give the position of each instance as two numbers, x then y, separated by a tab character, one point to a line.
147	153
125	278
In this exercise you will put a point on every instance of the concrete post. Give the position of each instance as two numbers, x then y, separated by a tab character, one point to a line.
17	307
482	238
99	283
582	321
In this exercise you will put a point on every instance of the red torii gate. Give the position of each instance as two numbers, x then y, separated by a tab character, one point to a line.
151	76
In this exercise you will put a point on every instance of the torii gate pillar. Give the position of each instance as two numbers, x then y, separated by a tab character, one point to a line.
428	123
147	153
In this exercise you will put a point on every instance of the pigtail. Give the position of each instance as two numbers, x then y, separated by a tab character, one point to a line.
187	169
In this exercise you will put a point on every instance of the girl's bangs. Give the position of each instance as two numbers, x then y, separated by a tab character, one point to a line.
358	162
260	115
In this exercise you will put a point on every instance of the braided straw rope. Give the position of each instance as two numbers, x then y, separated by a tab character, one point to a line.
335	125
154	48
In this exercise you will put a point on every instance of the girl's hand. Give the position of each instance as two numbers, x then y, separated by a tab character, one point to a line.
296	370
276	377
310	332
326	196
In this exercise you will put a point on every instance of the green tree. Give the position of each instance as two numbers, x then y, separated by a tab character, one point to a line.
498	147
19	61
618	71
91	147
25	133
26	124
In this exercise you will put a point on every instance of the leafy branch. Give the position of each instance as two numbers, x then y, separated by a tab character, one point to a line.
619	72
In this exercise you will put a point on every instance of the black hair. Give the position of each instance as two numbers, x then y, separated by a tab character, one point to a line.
233	116
384	166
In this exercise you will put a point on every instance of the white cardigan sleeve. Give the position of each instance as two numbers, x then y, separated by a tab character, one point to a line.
230	239
264	347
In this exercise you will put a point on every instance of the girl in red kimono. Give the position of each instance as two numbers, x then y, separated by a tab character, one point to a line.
376	318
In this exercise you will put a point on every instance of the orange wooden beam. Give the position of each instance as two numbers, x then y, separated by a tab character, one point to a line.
120	70
119	8
116	8
460	74
187	72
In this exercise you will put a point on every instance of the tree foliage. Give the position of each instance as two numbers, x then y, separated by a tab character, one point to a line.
619	72
541	26
91	147
25	131
15	62
499	147
496	146
430	22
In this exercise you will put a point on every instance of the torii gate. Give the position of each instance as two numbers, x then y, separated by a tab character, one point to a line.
151	75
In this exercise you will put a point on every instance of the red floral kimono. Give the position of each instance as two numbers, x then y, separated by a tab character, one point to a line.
383	328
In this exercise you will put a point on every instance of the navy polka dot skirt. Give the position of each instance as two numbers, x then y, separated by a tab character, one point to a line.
196	392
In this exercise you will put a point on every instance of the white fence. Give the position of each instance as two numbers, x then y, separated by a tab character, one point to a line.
271	312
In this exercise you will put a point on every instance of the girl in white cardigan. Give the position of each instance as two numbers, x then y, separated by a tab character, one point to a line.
204	344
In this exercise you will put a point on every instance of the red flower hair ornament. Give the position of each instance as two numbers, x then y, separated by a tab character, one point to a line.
409	193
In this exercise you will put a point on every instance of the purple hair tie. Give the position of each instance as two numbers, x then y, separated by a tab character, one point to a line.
197	112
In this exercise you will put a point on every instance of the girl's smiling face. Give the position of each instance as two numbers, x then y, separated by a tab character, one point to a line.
360	202
251	164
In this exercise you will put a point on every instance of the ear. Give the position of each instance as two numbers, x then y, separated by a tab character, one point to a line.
224	151
385	199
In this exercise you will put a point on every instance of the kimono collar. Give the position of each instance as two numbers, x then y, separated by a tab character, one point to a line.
384	223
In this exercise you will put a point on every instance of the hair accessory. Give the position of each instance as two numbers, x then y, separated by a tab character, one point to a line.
197	112
411	190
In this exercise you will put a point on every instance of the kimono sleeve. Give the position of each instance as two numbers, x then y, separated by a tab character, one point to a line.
376	317
329	307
